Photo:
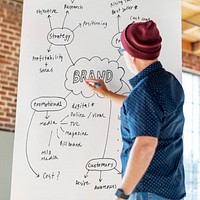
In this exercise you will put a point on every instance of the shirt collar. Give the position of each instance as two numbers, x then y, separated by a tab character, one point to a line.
148	70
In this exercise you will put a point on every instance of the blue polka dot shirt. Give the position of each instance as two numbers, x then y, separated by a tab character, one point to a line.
155	108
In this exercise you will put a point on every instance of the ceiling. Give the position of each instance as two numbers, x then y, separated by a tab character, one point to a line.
191	26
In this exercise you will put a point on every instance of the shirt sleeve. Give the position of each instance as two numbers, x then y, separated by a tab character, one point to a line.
144	115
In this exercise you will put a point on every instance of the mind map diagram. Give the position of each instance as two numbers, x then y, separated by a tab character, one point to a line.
64	122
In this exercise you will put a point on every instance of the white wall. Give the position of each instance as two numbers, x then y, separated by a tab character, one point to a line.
6	152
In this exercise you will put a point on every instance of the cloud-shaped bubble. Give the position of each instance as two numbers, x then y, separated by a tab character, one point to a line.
94	68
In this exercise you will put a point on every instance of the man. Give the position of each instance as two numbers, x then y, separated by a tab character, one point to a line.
151	120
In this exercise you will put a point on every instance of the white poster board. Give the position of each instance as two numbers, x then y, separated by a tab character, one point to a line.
67	140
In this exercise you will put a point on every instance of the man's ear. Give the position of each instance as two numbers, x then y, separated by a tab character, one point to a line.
131	58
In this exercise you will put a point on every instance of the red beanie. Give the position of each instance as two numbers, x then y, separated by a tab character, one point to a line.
142	40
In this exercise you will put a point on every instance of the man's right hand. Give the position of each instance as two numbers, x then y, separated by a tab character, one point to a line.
101	90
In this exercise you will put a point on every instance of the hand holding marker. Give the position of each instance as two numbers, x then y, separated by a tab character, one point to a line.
95	84
92	83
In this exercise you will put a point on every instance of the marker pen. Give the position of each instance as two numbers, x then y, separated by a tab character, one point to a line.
95	84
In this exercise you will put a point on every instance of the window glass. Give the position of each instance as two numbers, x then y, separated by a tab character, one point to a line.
191	136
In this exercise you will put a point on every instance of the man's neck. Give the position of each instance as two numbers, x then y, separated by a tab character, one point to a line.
143	64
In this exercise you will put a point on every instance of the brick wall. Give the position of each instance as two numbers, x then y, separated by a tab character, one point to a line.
191	61
10	30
